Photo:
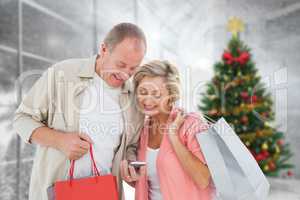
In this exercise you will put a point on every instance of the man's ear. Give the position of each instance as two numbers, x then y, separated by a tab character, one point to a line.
103	48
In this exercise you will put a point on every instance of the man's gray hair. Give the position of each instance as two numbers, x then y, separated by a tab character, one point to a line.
121	31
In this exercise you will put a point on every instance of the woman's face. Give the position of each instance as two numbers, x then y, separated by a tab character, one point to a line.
153	96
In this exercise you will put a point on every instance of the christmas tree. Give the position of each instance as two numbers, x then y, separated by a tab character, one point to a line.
237	93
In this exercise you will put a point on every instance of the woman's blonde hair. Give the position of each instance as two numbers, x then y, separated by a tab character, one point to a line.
162	69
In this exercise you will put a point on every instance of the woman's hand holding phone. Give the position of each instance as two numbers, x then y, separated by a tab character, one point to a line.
132	171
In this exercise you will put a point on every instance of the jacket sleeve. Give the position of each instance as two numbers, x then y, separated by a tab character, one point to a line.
32	113
131	151
134	129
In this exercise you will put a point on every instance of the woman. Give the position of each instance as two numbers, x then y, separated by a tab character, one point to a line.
176	168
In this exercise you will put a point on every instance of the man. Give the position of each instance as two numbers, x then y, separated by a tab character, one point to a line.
63	113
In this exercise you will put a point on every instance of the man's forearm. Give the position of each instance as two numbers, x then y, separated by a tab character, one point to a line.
46	137
73	145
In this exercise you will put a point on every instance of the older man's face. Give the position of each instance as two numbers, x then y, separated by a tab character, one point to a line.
120	64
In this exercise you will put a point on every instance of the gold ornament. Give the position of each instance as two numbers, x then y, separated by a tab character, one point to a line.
235	25
259	133
276	156
226	78
265	146
277	149
266	168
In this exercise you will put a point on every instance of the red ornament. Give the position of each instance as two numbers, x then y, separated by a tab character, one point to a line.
243	58
272	166
265	153
259	157
280	142
244	95
244	119
254	99
290	173
228	58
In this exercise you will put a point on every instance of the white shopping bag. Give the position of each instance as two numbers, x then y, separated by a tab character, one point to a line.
234	171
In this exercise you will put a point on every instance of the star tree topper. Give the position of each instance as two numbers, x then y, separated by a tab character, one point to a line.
235	26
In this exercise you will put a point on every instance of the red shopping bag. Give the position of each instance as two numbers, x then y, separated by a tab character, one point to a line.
92	188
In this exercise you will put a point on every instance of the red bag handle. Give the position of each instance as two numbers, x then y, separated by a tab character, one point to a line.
94	167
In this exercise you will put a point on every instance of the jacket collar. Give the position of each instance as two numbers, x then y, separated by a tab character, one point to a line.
88	71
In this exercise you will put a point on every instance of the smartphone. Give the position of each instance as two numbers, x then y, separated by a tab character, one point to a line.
137	164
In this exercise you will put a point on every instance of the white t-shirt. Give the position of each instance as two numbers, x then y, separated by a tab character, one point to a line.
100	118
153	180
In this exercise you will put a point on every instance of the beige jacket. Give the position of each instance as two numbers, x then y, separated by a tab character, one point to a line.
54	101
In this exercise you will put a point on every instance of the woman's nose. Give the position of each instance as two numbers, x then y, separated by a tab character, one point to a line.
148	100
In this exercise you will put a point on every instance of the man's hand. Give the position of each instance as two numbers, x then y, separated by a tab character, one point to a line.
74	145
129	174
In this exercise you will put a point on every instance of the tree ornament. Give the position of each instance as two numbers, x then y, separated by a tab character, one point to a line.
272	165
244	95
239	74
277	149
251	106
259	133
259	157
243	58
280	142
276	156
265	153
266	168
228	58
244	128
290	173
265	146
254	99
266	124
226	78
244	119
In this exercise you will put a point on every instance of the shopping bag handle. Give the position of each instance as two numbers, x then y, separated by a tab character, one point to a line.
210	120
94	166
